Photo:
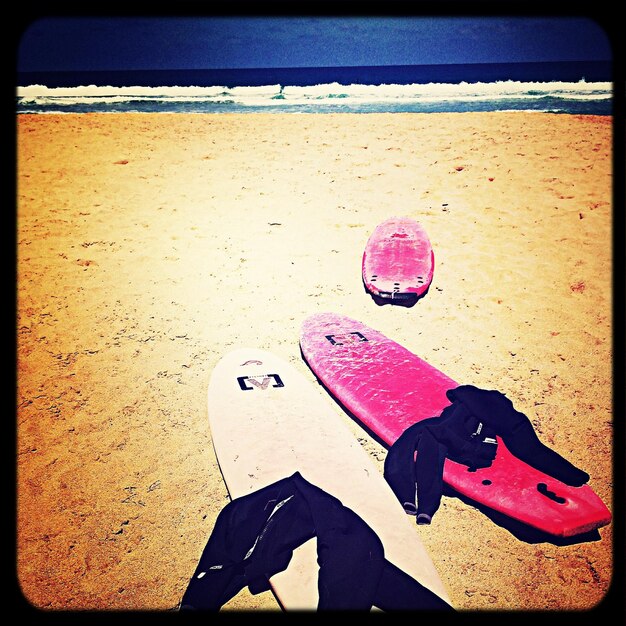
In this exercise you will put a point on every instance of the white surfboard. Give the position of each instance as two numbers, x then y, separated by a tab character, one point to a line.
268	421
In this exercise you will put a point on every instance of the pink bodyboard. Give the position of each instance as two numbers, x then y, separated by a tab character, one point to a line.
398	260
388	388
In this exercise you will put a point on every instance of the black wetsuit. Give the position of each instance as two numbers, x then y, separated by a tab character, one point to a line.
465	432
254	537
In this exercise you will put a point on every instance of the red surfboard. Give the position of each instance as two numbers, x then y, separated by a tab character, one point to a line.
388	388
398	261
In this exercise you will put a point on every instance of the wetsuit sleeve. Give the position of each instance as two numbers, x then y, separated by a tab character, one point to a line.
399	470
218	577
429	461
414	470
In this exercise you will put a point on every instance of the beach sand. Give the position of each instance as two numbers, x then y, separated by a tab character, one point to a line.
148	245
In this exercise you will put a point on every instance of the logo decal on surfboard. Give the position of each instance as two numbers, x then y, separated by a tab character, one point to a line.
340	340
259	382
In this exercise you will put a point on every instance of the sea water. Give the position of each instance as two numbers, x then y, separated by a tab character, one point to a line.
557	87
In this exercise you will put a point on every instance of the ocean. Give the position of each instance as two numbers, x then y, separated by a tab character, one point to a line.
582	88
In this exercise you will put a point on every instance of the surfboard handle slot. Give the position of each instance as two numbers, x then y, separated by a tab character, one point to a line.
542	488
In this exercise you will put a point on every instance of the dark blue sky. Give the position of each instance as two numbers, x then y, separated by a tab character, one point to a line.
136	43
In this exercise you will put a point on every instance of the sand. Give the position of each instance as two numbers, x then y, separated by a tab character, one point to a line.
148	245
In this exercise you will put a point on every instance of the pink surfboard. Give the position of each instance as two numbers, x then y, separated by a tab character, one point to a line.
388	388
398	261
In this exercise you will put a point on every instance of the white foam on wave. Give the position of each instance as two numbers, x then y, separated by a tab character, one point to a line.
323	95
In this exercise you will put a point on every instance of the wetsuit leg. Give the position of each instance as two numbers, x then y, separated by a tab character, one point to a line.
397	591
520	438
